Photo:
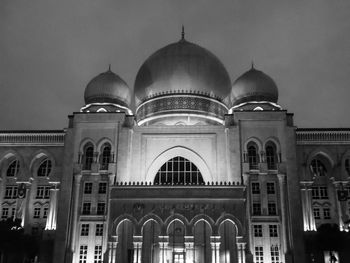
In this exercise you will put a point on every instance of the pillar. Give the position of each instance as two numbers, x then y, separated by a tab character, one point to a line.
163	248
112	249
282	182
241	251
215	249
137	240
52	216
189	246
77	181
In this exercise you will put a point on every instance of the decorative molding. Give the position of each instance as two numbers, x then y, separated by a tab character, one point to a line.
33	138
322	136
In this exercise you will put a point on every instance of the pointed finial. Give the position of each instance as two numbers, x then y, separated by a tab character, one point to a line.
109	67
183	33
252	64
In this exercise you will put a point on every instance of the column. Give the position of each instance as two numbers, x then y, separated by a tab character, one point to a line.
137	240
189	246
312	222
337	186
240	250
215	249
112	249
282	181
163	248
304	196
52	215
77	181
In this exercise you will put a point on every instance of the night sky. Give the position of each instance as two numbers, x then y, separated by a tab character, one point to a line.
50	50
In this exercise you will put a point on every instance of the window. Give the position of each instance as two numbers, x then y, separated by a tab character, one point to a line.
316	212
5	213
99	230
270	187
347	166
83	254
86	208
255	188
84	230
45	168
320	192
318	168
257	230
36	213
11	192
326	213
88	157
102	188
87	188
178	171
275	255
273	230
105	156
101	206
271	207
13	212
13	168
43	192
259	255
256	209
253	156
98	254
271	156
45	211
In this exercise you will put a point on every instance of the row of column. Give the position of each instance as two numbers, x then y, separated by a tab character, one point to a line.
189	249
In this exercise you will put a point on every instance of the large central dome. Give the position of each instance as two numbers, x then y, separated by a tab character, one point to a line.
182	67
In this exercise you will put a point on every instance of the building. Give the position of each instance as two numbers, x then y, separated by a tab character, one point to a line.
199	170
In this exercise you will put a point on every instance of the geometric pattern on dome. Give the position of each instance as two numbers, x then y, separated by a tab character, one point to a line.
181	103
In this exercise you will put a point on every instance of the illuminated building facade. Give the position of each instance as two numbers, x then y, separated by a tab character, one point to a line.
199	170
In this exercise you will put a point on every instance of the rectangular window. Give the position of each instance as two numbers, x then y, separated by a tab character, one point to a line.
256	209
87	188
272	210
259	255
270	187
43	192
316	212
273	231
319	192
5	213
84	230
326	213
83	254
257	230
11	192
275	255
86	208
98	254
36	212
101	206
255	188
45	212
102	188
99	230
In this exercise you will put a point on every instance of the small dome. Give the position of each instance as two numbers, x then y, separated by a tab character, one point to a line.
254	85
182	67
108	87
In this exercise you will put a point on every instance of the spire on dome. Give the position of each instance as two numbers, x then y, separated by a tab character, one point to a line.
253	65
109	67
183	33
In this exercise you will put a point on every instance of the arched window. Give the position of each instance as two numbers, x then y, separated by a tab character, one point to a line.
318	168
271	156
347	166
45	167
179	171
253	156
13	168
88	157
105	157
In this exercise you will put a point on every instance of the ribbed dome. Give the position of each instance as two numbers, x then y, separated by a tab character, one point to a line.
108	87
254	85
184	67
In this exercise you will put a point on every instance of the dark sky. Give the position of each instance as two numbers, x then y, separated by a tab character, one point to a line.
49	50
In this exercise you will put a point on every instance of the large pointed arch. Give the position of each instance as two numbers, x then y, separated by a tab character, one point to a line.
174	152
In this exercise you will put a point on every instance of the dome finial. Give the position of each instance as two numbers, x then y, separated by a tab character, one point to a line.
109	67
183	33
252	64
